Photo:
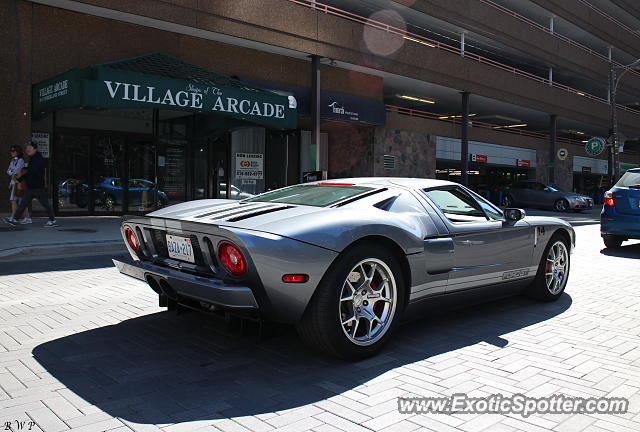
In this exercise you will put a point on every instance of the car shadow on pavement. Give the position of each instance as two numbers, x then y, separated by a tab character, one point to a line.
32	265
167	368
628	251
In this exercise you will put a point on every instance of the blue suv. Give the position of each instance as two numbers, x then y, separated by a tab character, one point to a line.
620	218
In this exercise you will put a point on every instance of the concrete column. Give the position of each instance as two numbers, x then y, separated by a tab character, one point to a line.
550	76
464	138
462	36
553	131
315	111
551	23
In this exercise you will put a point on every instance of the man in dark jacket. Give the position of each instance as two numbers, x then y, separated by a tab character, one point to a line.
34	179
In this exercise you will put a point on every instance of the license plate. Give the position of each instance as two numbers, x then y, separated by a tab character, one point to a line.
180	248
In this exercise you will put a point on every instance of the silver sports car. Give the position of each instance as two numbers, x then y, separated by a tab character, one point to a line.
346	260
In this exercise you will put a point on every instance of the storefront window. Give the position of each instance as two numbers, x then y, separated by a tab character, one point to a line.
247	162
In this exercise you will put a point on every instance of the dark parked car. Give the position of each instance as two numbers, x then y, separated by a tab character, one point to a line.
620	219
531	193
110	193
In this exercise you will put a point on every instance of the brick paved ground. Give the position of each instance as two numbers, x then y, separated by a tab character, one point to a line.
84	349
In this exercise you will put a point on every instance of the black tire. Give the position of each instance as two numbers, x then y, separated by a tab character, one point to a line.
561	205
321	328
538	289
508	201
612	241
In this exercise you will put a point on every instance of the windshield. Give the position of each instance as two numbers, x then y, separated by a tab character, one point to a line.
629	179
311	195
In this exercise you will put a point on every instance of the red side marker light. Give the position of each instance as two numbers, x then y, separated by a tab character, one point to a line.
295	278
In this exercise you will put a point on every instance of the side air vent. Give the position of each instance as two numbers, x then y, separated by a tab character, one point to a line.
389	162
385	203
257	213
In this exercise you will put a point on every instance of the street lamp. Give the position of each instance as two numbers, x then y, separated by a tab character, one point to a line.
614	163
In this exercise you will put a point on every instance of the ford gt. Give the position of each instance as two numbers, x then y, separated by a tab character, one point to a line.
346	260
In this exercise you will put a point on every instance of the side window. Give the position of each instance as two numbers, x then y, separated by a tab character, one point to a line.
403	203
492	211
457	205
537	186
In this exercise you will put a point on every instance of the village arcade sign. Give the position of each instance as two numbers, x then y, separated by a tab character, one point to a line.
113	89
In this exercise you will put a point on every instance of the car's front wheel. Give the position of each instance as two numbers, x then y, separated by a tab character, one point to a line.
357	304
508	201
553	270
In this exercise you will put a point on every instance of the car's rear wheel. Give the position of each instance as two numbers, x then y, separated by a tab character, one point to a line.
612	241
357	304
553	270
508	201
561	205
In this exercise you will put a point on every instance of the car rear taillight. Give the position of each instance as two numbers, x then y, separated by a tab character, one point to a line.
608	199
231	258
132	239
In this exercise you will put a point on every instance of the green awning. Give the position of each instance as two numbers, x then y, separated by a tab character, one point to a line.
161	81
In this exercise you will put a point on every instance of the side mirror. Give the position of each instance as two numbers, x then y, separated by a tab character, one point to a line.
514	214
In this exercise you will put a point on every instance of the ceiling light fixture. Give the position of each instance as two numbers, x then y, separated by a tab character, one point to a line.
454	116
416	99
419	41
511	126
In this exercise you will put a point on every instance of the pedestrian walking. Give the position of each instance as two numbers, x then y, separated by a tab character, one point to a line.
16	189
34	179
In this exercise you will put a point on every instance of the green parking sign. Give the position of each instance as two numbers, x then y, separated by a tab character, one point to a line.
595	146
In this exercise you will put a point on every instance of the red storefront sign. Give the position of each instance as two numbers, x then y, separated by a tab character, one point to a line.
479	158
524	163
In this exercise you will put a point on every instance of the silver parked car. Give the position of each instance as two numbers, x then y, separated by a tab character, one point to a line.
346	260
531	193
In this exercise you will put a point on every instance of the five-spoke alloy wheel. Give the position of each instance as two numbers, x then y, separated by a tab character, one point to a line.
357	304
368	301
557	267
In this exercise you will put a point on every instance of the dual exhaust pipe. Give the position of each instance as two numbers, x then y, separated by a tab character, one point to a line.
161	286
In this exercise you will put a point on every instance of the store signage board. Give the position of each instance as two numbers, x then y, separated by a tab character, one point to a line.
249	166
523	163
595	146
479	158
42	140
107	88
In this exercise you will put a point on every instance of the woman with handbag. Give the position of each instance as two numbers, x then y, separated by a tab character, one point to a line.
16	189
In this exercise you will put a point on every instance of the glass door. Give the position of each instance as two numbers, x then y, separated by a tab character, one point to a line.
108	174
143	194
71	173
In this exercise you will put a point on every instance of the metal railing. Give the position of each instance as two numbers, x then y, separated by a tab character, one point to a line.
553	33
610	18
457	120
407	35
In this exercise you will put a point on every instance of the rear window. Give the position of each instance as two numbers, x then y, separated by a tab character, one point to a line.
629	179
311	195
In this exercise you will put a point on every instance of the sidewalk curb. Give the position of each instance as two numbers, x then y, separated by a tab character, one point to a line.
50	249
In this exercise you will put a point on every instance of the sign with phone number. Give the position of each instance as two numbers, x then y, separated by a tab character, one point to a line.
249	166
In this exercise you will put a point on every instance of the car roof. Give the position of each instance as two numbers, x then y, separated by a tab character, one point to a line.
406	182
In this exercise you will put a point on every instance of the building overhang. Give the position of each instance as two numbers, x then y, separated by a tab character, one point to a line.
161	81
